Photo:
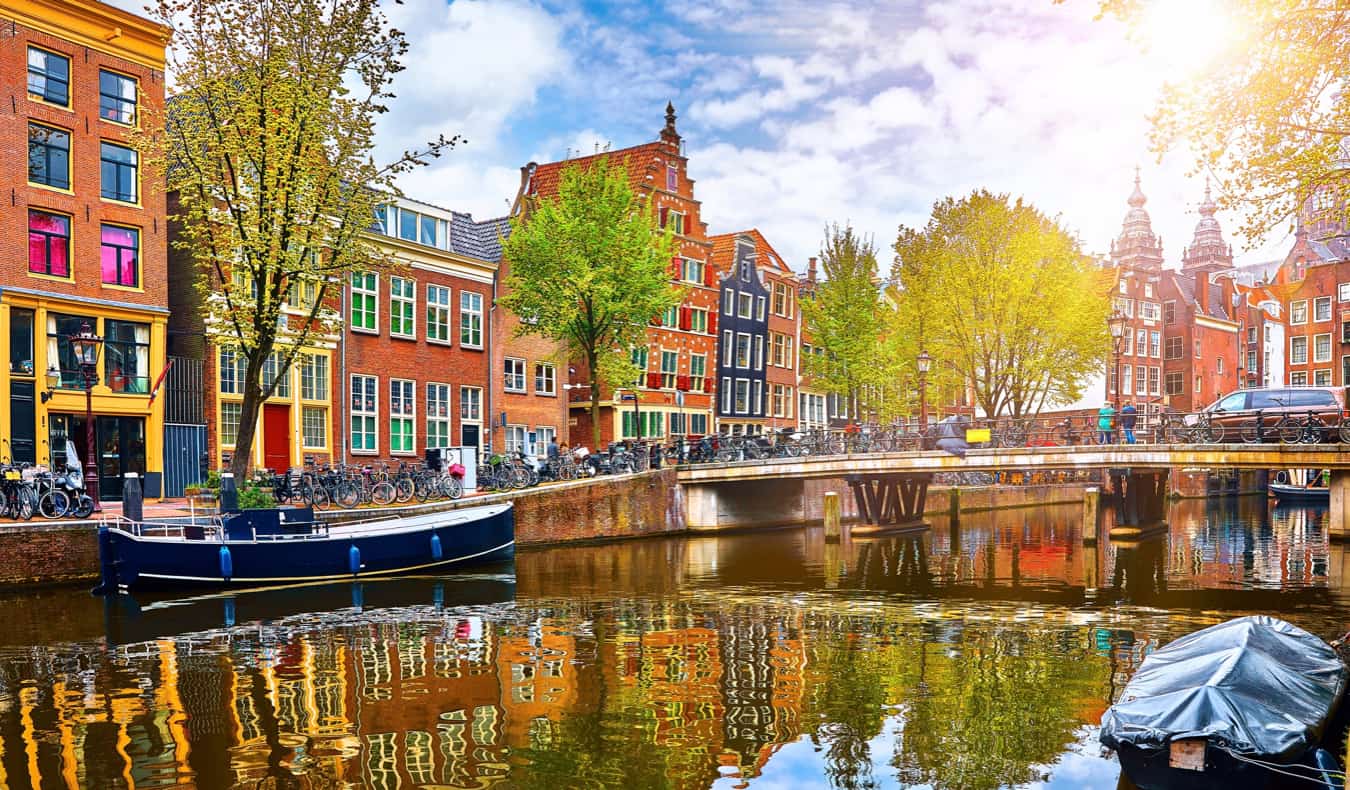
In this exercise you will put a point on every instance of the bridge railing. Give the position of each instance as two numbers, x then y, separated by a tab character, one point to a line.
1204	427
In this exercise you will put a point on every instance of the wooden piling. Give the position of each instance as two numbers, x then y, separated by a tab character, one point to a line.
833	520
1090	497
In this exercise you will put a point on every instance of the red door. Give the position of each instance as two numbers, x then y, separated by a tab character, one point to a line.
276	425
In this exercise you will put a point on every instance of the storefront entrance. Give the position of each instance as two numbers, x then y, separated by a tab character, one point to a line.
120	442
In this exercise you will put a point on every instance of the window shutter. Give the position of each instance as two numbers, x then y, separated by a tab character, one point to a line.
675	268
685	318
654	381
682	383
710	275
712	322
662	214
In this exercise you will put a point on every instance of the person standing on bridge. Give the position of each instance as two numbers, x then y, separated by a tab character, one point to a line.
1104	430
1128	415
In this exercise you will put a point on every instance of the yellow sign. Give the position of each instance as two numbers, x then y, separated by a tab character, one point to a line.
977	435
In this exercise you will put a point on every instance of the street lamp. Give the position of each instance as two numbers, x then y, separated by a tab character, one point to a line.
924	361
1117	325
86	346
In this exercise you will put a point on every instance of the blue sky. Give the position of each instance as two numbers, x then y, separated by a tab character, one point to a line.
797	113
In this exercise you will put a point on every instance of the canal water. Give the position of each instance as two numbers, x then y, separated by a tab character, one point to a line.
976	657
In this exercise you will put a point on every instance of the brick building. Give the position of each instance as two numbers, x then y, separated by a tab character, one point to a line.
80	77
675	396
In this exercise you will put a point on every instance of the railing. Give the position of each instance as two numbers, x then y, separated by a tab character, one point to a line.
212	530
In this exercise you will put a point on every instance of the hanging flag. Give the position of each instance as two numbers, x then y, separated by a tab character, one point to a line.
160	381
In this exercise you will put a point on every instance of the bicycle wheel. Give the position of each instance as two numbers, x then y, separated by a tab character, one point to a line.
404	489
348	495
1345	431
1289	430
317	497
28	502
453	488
85	507
54	504
520	477
382	493
1314	431
1251	431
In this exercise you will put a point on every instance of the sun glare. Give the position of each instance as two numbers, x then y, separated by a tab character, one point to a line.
1186	37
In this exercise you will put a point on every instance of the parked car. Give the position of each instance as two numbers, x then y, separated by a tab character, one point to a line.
1287	414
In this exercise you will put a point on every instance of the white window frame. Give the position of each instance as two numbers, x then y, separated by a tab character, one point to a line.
726	395
1318	357
1293	353
1295	308
550	380
438	399
405	303
521	435
1321	304
513	370
439	312
305	425
761	306
728	348
470	409
737	398
743	364
542	435
1343	292
1298	378
745	305
1320	374
408	397
472	313
759	352
728	302
757	398
238	410
371	413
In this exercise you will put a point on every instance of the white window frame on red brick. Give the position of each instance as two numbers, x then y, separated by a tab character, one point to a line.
1298	312
1322	377
438	414
1298	378
1343	292
516	437
513	374
471	404
371	293
1321	355
470	319
1295	358
402	415
1321	309
545	379
692	271
368	388
438	313
402	307
543	434
1155	380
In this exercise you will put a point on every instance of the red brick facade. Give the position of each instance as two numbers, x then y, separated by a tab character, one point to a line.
537	403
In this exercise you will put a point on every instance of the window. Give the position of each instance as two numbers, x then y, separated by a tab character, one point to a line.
48	243
1126	379
1218	366
231	372
746	306
402	303
1174	348
438	415
728	302
727	348
672	221
1199	383
692	271
544	435
471	319
1140	380
1251	361
698	320
742	350
49	76
1148	290
1322	309
1124	285
638	356
1345	367
1174	383
1123	306
514	374
402	410
48	156
1298	378
1343	292
471	404
365	301
1169	312
1345	331
759	352
229	422
545	379
1298	351
1141	343
726	396
777	349
781	401
1197	349
269	372
116	97
21	341
671	316
1298	312
314	427
120	256
1148	311
438	314
126	356
365	405
698	424
314	377
301	293
1322	378
1321	348
782	300
515	439
757	399
1154	344
759	304
742	396
698	372
669	366
117	172
672	178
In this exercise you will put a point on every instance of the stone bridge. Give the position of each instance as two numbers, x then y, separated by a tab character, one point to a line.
890	488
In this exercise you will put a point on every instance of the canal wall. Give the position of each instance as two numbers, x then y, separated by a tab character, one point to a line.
939	501
34	553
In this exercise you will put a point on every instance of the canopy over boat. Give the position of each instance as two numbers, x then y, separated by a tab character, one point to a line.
1254	686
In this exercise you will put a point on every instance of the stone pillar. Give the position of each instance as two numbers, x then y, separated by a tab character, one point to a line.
1091	495
833	530
229	494
1338	521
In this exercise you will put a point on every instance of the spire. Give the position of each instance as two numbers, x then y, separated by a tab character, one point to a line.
1137	199
1137	246
668	134
1208	251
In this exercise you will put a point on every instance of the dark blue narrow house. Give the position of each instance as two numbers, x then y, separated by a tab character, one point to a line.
743	343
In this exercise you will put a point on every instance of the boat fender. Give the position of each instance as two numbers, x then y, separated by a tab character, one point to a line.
229	613
1329	769
438	596
435	546
226	563
354	559
358	597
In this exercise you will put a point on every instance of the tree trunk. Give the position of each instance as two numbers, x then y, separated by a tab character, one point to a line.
595	402
243	443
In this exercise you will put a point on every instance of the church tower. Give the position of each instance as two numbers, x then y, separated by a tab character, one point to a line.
1137	247
1208	252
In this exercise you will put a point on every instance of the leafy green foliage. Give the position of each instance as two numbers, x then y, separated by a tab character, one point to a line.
267	143
252	496
589	269
1001	295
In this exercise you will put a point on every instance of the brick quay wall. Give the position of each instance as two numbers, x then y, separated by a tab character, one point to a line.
632	506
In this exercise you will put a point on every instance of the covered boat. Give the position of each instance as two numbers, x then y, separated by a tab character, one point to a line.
287	545
1240	704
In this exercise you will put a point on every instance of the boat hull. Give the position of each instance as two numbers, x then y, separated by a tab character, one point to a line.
423	544
1288	493
1150	770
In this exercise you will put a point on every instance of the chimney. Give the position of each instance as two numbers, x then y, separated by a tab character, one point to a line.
811	271
1202	293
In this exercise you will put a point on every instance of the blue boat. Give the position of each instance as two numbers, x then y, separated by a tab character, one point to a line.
287	546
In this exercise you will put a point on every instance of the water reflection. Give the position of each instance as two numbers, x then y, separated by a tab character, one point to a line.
973	655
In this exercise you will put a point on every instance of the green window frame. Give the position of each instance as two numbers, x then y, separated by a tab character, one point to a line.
365	301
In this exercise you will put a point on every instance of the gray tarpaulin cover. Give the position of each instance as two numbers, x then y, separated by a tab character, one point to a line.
1254	685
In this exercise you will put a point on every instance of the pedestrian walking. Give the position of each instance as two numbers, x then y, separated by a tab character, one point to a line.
1104	418
1128	415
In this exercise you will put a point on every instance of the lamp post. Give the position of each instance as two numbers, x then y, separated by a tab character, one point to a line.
1116	323
924	362
86	346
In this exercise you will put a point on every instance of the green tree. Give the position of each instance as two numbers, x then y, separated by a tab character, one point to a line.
589	269
267	144
846	317
1006	297
1269	115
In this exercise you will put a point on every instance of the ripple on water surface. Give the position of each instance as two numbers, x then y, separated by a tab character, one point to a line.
976	657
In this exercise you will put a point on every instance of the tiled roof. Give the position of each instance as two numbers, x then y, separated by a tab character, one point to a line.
481	240
1186	285
641	161
724	251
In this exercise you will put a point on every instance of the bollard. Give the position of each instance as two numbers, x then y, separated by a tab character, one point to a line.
132	499
833	530
229	495
1091	495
